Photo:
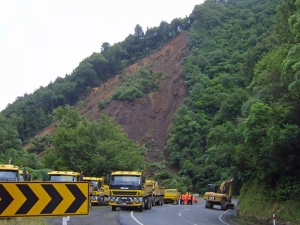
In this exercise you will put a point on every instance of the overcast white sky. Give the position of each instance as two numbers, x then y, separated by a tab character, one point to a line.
41	40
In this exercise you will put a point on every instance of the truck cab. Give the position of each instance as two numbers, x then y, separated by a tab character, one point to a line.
9	172
67	176
129	189
100	190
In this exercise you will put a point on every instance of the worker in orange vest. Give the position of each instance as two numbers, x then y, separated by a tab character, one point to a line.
185	199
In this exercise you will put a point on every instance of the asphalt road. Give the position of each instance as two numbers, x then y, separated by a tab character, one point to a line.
159	215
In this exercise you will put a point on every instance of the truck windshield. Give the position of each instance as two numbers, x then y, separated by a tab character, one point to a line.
62	178
9	175
127	180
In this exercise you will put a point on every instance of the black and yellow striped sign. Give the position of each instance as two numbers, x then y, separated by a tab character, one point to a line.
43	199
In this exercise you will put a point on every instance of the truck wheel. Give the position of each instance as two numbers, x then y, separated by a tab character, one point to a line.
113	208
147	203
141	208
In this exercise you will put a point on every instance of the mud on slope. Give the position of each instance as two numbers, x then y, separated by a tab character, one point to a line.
147	119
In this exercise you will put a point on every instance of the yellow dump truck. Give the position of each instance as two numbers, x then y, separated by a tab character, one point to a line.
9	172
157	193
129	189
171	196
67	176
100	190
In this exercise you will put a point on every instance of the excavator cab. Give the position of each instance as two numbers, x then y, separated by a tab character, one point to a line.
212	188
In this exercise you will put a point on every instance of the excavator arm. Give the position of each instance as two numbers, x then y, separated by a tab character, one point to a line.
226	183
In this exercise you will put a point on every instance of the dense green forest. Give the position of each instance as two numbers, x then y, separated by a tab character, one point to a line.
241	118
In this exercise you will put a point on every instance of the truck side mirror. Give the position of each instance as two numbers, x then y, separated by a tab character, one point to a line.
107	178
143	179
81	177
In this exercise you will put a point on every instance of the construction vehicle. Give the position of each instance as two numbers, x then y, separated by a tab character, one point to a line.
67	176
9	172
157	193
171	196
130	189
219	195
100	190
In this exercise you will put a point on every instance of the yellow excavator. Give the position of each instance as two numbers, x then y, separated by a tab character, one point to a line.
219	195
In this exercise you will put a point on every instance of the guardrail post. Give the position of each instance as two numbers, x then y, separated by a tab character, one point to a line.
274	219
64	220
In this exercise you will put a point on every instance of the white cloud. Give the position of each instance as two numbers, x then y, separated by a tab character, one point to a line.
43	40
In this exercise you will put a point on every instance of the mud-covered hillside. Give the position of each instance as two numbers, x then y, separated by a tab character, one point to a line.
147	119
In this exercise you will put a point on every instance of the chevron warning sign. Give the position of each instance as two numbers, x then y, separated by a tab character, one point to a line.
43	199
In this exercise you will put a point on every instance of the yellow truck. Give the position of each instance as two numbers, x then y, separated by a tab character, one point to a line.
157	193
171	196
67	176
100	190
9	172
130	189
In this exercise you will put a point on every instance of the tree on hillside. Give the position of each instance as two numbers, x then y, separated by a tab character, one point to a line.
91	146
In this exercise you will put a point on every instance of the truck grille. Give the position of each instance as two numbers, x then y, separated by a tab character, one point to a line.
123	193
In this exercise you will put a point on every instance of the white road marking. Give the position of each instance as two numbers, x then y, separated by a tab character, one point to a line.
135	218
222	215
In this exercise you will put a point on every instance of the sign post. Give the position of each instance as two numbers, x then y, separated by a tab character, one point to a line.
18	199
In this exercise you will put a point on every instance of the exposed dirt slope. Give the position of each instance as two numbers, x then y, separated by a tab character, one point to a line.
146	120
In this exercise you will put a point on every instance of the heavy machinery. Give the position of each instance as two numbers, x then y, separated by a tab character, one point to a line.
63	176
157	193
100	190
171	196
219	195
9	172
130	189
67	176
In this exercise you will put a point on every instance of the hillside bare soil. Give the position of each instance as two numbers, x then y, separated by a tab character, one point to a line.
145	120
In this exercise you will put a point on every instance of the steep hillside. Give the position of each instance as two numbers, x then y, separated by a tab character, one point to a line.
146	120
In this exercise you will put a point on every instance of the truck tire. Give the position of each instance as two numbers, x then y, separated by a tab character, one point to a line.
141	208
147	203
113	208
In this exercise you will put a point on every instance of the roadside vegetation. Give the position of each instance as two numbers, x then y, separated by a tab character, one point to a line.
24	220
241	118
